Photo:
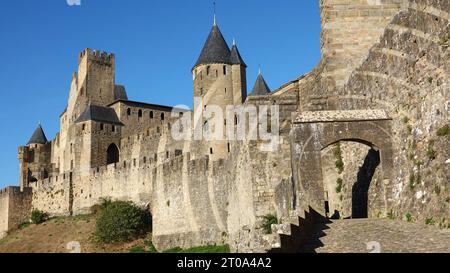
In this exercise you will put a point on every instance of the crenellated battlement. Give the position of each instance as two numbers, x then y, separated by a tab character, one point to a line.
97	56
14	191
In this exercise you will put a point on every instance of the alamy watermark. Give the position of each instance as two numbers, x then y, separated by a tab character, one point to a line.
73	2
245	122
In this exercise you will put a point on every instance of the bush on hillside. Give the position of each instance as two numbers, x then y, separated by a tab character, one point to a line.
38	217
120	221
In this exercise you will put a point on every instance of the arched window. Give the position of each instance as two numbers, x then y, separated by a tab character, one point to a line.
128	111
112	154
151	114
162	116
140	113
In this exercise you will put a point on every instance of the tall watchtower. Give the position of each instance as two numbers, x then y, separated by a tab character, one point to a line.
96	77
220	80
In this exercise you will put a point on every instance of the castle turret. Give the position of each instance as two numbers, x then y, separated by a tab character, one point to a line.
38	137
34	159
260	88
220	80
239	74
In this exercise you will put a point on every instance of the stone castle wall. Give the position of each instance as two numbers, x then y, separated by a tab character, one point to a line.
15	208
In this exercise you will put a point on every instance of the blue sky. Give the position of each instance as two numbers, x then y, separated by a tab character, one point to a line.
156	44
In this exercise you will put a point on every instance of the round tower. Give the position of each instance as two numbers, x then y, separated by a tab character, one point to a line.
219	80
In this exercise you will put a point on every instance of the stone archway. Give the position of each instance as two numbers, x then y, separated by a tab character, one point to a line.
112	154
312	132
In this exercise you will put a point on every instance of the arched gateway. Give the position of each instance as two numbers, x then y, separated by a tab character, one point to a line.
312	132
112	154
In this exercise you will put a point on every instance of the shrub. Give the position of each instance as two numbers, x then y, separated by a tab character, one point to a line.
339	162
431	153
340	166
430	221
412	181
409	218
268	221
120	221
391	215
443	131
437	189
409	129
339	185
38	217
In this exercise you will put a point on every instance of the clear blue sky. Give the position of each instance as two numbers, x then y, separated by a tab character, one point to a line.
156	44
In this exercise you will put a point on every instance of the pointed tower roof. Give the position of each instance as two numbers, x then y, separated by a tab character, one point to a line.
235	56
261	88
38	136
215	50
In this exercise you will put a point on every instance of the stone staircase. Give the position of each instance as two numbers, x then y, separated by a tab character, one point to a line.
289	237
312	233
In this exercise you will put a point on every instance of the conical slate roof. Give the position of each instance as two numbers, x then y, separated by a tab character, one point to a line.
235	56
215	50
38	136
261	88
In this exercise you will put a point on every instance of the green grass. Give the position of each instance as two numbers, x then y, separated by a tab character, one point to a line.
24	225
149	248
138	249
443	131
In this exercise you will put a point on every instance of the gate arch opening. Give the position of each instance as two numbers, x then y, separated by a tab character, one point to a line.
349	169
112	154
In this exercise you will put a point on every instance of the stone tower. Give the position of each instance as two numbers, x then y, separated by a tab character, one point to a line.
34	159
349	30
93	83
220	80
96	76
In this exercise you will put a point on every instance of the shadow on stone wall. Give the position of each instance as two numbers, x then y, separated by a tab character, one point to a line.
303	233
360	190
